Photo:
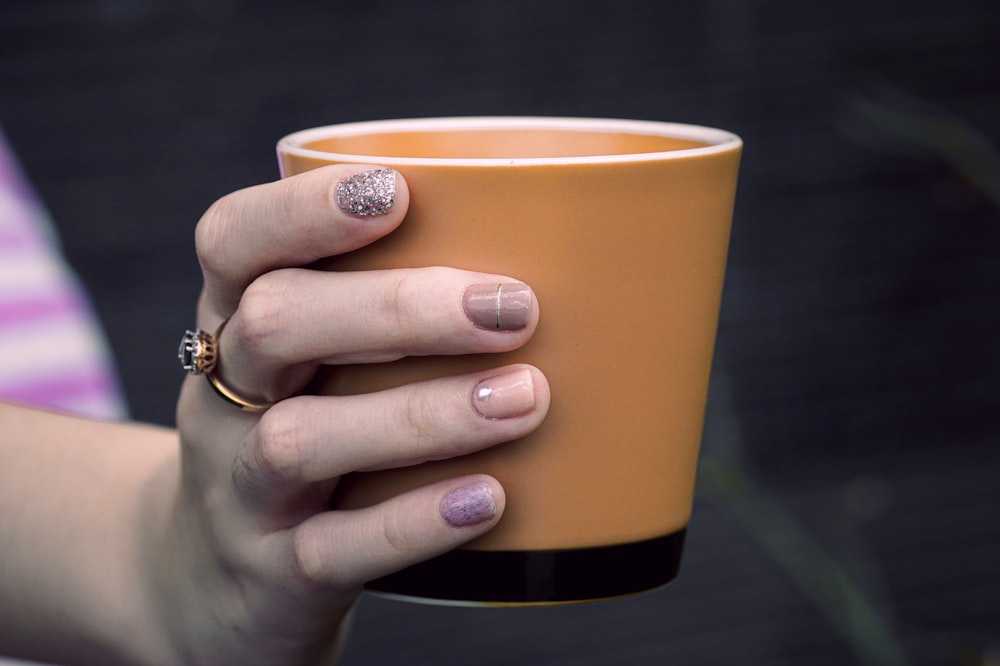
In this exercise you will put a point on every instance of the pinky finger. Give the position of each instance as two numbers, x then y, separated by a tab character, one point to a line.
344	549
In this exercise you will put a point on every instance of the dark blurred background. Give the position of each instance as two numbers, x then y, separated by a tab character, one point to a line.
849	505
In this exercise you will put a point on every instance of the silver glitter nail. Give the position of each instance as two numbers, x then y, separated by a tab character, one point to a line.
368	193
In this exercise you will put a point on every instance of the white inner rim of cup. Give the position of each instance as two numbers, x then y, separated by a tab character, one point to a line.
716	140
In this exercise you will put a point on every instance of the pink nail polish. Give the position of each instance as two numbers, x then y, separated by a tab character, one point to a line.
499	307
469	505
368	194
506	395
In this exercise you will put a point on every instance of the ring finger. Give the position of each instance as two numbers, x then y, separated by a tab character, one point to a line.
290	447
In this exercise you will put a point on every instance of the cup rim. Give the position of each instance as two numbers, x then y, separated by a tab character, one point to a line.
717	140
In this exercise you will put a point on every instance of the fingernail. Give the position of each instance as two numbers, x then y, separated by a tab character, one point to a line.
468	505
368	194
504	396
503	307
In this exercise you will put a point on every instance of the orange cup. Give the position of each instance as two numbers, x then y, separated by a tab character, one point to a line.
622	231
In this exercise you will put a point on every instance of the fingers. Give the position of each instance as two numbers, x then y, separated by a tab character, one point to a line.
310	439
289	321
293	222
284	320
349	548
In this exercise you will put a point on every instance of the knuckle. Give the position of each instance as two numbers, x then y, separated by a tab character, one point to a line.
309	558
320	562
401	302
278	448
384	540
261	313
397	534
420	418
211	233
275	455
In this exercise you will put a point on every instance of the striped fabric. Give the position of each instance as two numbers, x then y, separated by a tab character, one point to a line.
52	351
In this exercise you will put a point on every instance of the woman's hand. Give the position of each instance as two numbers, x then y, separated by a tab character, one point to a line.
250	564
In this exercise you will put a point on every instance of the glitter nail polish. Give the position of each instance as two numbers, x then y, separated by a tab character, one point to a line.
498	307
469	505
368	194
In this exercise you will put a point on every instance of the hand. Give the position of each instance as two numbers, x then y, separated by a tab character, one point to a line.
251	564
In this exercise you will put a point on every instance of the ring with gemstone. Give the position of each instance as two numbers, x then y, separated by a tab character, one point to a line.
198	352
199	355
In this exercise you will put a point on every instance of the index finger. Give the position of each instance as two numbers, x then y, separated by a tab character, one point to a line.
293	222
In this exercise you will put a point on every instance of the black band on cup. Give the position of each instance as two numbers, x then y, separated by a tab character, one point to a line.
538	576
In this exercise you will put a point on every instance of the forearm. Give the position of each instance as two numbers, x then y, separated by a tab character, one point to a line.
77	498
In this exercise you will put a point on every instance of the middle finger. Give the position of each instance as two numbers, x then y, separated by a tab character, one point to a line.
289	321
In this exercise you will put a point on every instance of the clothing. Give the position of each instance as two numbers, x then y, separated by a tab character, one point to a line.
53	353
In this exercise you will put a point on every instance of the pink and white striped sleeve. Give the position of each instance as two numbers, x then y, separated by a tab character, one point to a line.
53	353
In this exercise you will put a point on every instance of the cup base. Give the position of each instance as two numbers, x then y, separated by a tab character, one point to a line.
537	577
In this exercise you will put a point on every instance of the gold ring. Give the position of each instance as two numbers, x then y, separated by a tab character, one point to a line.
232	397
199	354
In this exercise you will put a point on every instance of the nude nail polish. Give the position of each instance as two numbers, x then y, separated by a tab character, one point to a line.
506	395
368	194
469	505
499	307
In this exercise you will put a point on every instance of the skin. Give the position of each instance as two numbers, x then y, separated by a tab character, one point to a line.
214	543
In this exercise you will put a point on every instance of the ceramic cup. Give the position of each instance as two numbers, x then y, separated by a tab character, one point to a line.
621	229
